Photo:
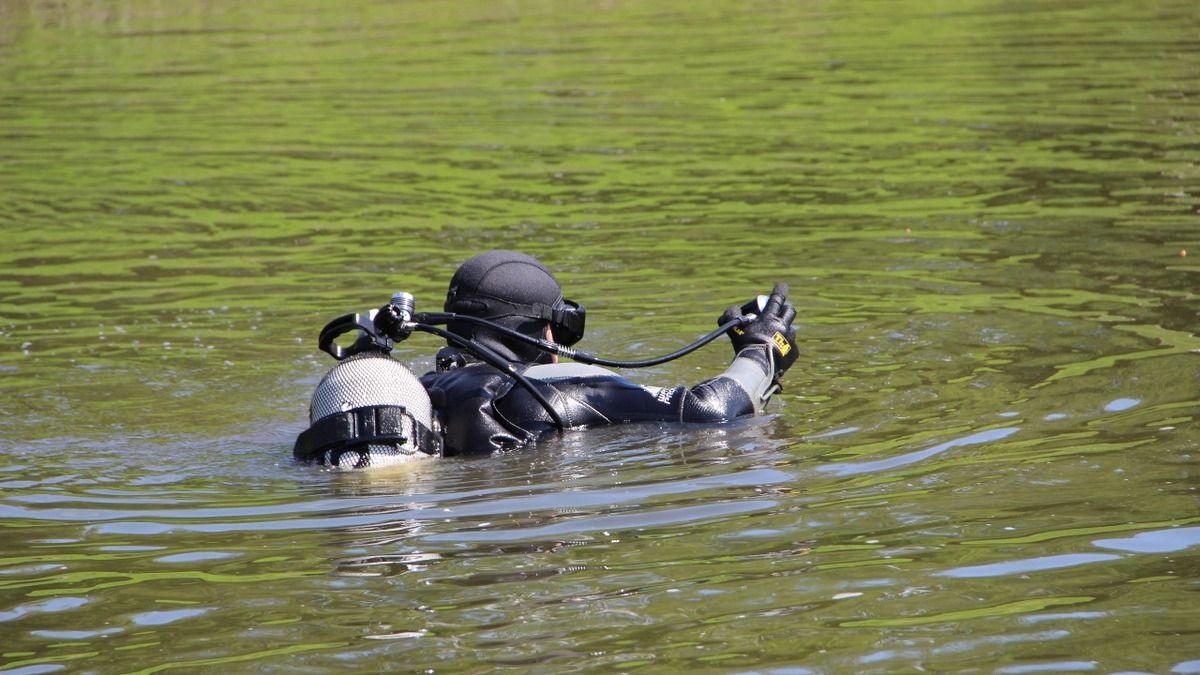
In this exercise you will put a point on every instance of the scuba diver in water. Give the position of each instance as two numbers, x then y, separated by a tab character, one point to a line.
498	384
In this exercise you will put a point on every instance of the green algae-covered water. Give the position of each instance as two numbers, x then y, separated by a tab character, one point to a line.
986	459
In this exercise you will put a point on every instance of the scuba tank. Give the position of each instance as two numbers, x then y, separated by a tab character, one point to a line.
369	410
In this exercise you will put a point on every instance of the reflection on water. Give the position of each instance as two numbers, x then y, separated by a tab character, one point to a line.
850	469
985	213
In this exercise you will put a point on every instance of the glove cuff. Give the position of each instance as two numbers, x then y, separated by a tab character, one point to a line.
753	369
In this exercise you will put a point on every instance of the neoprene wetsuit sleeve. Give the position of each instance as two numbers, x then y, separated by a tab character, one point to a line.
590	396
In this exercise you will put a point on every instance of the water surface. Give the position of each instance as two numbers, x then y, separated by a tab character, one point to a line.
985	459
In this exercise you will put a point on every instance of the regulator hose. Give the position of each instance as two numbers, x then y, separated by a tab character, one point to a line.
574	354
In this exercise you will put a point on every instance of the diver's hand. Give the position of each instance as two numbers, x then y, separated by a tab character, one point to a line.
772	327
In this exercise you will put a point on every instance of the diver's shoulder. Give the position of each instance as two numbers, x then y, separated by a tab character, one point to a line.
550	372
469	371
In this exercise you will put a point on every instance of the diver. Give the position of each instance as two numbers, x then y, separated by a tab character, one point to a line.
498	384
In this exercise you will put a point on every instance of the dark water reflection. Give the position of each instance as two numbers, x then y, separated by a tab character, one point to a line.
985	460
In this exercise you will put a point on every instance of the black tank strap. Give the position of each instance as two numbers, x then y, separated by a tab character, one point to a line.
369	424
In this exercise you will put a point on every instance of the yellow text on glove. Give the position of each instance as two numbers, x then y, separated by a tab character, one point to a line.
782	343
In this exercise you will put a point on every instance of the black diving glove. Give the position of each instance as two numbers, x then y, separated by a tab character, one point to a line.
772	328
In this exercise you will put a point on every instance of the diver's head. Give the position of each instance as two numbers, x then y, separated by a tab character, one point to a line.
518	292
369	411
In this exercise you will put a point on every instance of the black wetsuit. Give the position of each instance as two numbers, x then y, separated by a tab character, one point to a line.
483	410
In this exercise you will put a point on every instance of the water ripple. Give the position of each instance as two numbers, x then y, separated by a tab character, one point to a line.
1030	565
1159	541
854	468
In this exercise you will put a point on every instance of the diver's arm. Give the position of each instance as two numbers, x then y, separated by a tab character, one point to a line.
585	395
